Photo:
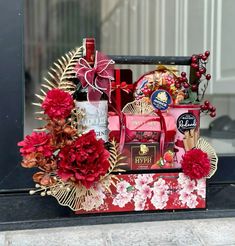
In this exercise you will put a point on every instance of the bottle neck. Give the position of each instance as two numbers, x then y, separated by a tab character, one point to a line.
89	50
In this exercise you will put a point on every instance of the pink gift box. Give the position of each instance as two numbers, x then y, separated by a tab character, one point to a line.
145	124
178	111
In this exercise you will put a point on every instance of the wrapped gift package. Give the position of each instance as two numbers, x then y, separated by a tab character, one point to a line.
187	117
141	136
122	89
113	145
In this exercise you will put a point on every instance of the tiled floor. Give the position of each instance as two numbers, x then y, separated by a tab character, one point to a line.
185	232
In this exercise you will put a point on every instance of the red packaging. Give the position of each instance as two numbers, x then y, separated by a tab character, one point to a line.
149	192
122	89
145	156
141	138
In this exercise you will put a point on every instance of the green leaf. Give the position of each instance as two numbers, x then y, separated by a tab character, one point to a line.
130	188
186	101
192	96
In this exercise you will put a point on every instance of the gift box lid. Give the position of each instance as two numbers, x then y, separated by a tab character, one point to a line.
142	122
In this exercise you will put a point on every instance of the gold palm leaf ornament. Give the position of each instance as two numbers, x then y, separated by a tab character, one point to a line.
78	197
138	107
207	148
68	193
61	74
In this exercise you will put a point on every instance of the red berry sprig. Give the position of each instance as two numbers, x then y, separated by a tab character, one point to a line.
208	108
182	81
198	62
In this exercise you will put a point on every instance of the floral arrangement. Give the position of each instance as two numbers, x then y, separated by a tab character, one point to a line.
72	162
83	169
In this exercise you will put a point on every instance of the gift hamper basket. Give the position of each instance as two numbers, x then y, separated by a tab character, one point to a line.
109	144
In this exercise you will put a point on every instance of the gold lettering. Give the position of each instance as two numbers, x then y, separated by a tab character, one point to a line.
143	159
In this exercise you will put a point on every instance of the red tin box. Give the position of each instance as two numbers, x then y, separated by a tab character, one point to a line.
150	191
144	156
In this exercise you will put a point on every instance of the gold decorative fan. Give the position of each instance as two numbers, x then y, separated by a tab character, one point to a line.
60	75
140	107
78	197
207	148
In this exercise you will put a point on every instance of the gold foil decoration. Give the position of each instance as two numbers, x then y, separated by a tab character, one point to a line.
60	75
207	148
192	140
138	107
171	69
78	197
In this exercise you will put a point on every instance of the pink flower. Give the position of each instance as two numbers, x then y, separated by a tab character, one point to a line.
145	191
139	201
149	178
122	199
160	185
139	205
192	201
140	181
183	196
201	188
143	179
162	194
189	199
182	179
158	202
92	202
189	186
122	186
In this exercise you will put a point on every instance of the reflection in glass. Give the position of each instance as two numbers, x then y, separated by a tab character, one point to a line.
137	27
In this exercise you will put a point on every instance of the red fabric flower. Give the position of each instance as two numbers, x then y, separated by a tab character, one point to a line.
58	104
86	160
39	142
196	164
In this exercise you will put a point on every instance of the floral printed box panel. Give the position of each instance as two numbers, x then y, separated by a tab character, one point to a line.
158	191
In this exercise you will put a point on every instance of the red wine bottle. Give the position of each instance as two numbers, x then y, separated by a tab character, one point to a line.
96	112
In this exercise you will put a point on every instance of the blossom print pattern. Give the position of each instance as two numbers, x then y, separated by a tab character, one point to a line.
158	191
189	190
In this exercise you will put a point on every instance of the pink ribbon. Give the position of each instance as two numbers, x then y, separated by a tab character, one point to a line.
98	78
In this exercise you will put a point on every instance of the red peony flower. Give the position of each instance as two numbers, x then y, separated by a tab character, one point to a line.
196	164
39	142
58	104
85	160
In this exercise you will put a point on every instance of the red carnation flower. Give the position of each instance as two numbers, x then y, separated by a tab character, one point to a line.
196	164
39	142
58	104
85	160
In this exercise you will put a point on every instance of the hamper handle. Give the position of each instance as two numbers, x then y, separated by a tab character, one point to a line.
158	60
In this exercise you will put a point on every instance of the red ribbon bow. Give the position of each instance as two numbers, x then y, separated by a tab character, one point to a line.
123	86
98	78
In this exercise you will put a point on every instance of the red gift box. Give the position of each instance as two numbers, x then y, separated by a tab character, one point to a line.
122	89
145	156
149	192
141	140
